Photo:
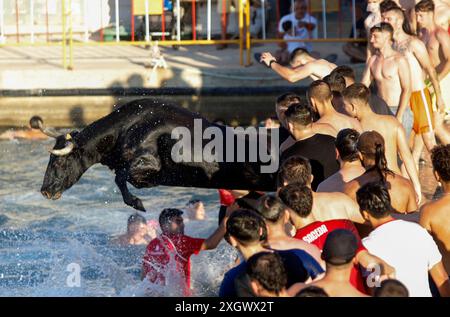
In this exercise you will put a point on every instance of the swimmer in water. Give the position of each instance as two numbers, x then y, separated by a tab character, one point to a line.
138	232
33	132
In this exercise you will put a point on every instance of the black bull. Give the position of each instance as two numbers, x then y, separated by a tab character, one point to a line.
135	141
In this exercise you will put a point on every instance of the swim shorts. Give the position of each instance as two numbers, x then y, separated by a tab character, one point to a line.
421	107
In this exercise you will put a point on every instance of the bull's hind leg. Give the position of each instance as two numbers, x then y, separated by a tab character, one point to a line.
128	198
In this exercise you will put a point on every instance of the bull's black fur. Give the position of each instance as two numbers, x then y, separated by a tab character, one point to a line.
135	141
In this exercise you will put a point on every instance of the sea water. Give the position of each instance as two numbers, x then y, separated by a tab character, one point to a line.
44	242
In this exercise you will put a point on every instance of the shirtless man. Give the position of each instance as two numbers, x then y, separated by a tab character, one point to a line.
303	66
137	232
32	133
326	206
339	253
415	52
356	101
371	147
389	70
442	12
435	215
437	42
286	140
347	154
320	97
276	217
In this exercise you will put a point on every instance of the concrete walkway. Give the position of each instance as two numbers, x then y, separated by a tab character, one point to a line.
37	68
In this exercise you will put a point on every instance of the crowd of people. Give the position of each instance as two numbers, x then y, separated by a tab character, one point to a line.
348	217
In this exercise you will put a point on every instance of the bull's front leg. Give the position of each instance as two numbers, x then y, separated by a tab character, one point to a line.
128	198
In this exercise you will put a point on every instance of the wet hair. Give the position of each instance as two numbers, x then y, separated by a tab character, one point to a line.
312	291
167	214
297	197
371	145
245	226
383	27
347	145
35	121
320	90
336	82
424	6
391	288
357	91
299	113
374	198
267	268
440	158
287	25
136	219
295	169
193	202
387	5
271	208
287	99
344	71
298	52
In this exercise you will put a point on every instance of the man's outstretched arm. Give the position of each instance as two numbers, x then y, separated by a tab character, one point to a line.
291	75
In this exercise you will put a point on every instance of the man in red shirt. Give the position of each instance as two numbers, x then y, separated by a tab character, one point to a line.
167	258
298	198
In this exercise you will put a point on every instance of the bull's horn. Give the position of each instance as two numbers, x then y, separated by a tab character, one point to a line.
37	123
64	151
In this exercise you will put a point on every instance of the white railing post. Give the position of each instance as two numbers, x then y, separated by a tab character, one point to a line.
209	20
32	21
147	25
117	21
354	18
324	18
263	5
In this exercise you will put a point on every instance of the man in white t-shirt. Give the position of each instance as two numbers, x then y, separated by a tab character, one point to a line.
406	246
304	25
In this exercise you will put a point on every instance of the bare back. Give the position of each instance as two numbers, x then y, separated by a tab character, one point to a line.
388	127
337	289
337	181
435	217
321	68
287	243
340	121
329	206
400	189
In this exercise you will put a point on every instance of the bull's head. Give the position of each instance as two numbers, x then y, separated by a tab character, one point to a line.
65	165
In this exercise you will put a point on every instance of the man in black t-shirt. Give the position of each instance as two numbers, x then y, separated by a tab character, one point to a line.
318	148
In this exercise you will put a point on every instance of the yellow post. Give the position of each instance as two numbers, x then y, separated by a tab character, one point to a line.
241	33
70	36
64	32
247	30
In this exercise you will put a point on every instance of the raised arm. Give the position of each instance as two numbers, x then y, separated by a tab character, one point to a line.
213	241
367	76
291	75
408	160
404	75
421	53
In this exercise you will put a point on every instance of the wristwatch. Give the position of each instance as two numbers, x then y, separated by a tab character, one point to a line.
272	61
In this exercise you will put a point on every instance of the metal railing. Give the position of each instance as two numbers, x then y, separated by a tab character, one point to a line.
72	34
